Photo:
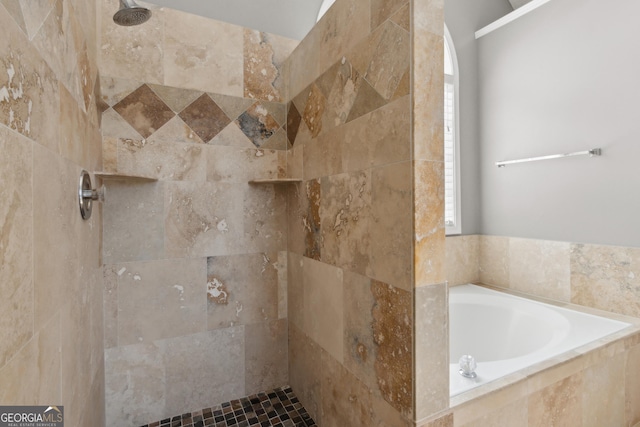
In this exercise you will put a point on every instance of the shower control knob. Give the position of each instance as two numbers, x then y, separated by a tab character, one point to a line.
468	366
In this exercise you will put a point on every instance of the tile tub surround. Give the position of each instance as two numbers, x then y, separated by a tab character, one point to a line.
592	386
608	368
51	312
598	276
277	408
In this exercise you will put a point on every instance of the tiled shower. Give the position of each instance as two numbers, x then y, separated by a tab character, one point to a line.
190	288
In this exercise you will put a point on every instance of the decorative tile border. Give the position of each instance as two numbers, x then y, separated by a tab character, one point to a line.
148	108
277	408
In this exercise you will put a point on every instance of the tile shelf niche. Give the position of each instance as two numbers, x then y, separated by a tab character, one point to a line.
122	177
517	13
275	181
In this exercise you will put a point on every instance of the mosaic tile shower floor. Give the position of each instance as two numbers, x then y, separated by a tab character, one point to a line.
277	408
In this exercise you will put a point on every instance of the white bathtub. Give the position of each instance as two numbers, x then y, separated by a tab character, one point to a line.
506	333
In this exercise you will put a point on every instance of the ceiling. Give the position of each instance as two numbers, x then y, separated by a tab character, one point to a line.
289	18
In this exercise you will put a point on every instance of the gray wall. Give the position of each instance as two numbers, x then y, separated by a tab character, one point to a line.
565	77
289	18
463	18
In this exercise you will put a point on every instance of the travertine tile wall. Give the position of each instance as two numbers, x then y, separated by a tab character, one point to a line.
195	263
598	276
592	390
51	332
353	260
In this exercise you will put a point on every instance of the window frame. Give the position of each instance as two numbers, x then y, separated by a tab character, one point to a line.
454	79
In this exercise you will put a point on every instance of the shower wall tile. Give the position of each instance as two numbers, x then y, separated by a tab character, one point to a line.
115	126
266	355
15	10
305	371
428	64
462	259
375	138
283	297
110	305
60	43
432	367
347	401
51	273
35	14
344	218
340	29
194	381
174	285
132	52
391	227
176	98
429	247
392	59
190	116
113	89
232	106
262	74
133	222
606	277
158	159
201	212
381	10
241	289
203	219
55	218
232	136
238	165
265	218
205	118
393	331
78	140
135	383
24	385
295	290
31	103
540	268
16	235
194	50
176	131
144	111
166	377
359	347
323	306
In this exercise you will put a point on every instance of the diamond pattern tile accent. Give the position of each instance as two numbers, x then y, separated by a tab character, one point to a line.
257	124
293	122
205	118
144	111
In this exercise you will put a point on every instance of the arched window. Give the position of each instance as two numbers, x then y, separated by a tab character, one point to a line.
451	142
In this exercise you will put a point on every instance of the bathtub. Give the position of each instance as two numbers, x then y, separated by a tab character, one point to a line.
506	333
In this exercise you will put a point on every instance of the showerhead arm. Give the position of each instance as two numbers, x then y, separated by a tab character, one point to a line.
131	14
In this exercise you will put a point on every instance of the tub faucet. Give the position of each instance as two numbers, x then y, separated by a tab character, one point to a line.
468	366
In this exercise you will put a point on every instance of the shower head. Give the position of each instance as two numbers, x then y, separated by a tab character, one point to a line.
131	14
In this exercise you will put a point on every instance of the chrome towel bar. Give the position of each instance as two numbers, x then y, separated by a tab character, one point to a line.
591	153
